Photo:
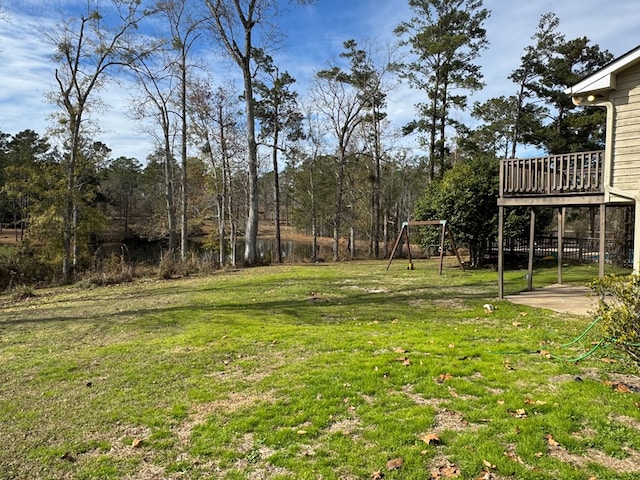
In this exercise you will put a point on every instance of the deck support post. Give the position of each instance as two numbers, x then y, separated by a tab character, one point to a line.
561	214
602	247
532	246
500	252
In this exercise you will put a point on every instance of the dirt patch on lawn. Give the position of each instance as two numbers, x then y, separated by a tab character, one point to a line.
627	421
621	382
449	420
419	399
630	464
234	402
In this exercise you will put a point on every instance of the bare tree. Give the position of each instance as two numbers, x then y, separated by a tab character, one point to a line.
184	27
216	126
281	121
338	100
313	142
370	67
237	26
87	47
159	87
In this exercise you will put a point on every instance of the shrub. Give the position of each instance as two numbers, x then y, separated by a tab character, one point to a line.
172	266
619	310
23	292
110	270
22	265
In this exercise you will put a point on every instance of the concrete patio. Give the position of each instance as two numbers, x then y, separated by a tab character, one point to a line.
572	299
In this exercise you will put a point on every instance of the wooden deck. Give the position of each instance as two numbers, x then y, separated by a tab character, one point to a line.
570	179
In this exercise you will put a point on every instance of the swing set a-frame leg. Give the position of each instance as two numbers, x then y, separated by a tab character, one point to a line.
403	230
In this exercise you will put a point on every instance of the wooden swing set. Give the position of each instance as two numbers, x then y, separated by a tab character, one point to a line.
446	232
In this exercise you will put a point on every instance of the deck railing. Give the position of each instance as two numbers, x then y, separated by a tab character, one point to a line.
566	174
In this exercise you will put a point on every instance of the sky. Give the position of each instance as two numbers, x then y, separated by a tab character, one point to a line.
314	37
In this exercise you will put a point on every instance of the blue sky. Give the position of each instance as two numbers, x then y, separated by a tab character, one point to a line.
314	37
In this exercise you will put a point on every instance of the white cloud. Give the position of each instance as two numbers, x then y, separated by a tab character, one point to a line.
27	77
25	67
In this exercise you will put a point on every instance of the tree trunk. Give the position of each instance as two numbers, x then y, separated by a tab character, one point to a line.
251	232
184	231
352	242
68	235
233	239
376	189
443	132
338	207
432	132
385	229
276	193
314	219
169	191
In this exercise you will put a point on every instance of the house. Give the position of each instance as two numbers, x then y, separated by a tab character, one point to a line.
584	179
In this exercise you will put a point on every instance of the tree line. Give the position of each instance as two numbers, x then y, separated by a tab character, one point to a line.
325	160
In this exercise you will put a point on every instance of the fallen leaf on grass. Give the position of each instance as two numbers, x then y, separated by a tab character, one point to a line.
377	475
399	350
301	432
551	441
516	324
622	388
447	471
136	442
544	353
443	377
484	475
488	464
405	361
514	457
394	464
519	413
529	401
430	438
609	360
619	387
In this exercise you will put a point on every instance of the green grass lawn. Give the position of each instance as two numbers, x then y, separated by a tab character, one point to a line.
333	371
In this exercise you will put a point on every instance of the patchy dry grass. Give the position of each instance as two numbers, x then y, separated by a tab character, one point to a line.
308	372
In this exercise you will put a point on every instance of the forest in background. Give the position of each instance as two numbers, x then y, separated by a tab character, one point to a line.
325	161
